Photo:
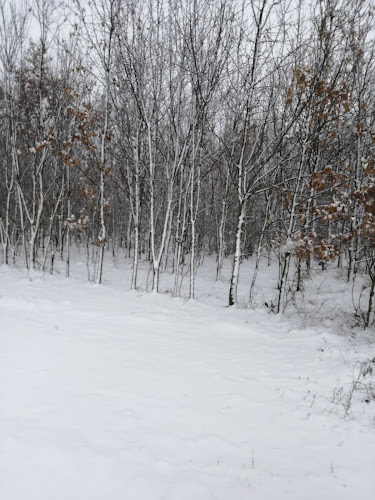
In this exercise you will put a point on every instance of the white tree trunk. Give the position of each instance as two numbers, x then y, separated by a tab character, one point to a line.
233	299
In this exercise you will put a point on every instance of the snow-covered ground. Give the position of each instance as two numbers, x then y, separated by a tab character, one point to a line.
111	394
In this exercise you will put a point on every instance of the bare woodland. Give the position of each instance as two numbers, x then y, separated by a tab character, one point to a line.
172	129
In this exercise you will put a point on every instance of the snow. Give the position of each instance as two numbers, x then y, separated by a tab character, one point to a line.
112	394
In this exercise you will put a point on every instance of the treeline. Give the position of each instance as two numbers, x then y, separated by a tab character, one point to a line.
174	128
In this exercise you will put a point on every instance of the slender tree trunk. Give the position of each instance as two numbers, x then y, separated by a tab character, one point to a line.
221	241
233	290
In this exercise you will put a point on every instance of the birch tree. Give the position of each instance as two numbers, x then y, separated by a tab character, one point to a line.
13	29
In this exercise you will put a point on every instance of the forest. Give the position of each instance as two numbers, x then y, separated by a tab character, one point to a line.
168	130
187	249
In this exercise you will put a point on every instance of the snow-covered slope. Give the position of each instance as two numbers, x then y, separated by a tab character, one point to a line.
110	394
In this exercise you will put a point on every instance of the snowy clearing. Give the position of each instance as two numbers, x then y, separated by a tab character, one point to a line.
110	394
